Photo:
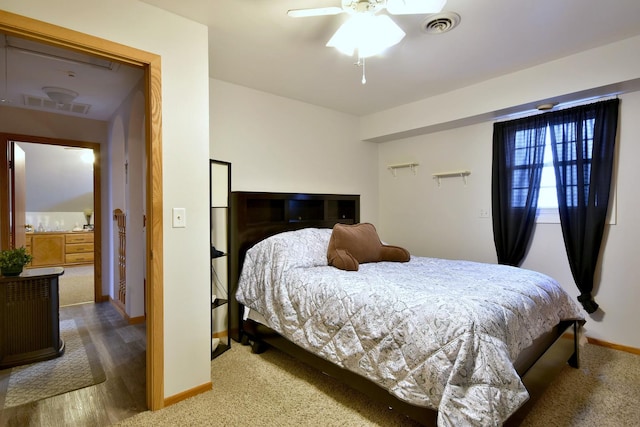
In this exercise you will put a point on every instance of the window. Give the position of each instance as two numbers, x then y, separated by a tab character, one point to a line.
548	198
583	148
569	132
525	155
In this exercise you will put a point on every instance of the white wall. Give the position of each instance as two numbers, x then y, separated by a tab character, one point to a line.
445	221
123	183
276	144
616	288
606	69
42	123
185	148
113	188
281	145
58	178
441	221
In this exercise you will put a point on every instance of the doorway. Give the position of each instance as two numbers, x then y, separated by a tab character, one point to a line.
16	25
61	222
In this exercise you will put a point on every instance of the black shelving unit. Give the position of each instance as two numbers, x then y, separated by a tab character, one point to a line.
220	187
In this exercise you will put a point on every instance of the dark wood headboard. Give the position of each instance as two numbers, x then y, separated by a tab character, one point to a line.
255	216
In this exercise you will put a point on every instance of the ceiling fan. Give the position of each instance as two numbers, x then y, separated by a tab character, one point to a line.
394	7
366	32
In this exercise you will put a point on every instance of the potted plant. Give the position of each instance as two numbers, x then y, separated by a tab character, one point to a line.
12	261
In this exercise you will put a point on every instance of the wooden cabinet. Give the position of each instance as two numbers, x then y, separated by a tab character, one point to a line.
78	248
60	249
47	249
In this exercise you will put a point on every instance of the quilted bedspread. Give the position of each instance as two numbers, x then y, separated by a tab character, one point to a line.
436	333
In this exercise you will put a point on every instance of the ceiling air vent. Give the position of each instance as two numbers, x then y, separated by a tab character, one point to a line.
47	104
440	23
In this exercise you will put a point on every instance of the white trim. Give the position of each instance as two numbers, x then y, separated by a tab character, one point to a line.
547	216
551	215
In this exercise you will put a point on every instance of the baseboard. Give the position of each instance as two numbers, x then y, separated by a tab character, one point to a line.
171	400
120	308
136	320
624	348
601	343
220	334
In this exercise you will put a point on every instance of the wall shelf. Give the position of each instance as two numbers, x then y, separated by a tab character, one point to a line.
453	174
412	166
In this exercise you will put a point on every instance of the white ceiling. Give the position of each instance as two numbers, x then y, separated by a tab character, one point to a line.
255	44
26	67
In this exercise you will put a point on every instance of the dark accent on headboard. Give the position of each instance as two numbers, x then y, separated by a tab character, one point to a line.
254	216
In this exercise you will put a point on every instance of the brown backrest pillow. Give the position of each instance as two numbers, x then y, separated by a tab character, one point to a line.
351	245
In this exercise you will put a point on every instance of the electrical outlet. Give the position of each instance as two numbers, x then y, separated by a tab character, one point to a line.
484	213
179	218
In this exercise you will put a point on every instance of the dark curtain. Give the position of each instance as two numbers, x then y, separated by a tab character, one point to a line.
583	141
518	152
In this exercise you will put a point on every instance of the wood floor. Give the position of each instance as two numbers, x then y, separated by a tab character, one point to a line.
121	349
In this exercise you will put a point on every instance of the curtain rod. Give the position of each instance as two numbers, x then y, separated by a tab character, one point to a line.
558	107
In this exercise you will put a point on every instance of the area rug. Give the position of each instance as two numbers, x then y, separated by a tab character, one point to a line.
76	286
77	368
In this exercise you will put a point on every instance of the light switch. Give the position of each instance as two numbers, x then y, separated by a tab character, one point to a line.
179	218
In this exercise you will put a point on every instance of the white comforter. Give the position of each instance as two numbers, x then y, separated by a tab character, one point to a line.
433	332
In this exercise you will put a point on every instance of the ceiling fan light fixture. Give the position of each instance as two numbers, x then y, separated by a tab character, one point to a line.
60	95
367	33
410	7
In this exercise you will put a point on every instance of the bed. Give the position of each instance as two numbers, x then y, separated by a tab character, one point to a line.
425	337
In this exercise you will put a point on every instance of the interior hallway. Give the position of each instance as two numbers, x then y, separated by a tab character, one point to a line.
121	348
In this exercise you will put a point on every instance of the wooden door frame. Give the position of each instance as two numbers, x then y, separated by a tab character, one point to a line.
21	26
97	199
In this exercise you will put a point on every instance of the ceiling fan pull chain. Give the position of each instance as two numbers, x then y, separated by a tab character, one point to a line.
361	63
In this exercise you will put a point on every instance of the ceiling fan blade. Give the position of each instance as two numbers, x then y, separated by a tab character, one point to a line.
318	11
411	7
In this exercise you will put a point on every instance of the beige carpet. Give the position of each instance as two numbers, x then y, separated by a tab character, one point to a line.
78	367
271	389
76	285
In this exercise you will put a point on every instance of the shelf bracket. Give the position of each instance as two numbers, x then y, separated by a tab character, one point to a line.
413	166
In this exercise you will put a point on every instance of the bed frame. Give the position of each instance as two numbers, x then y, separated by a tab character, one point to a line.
255	216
